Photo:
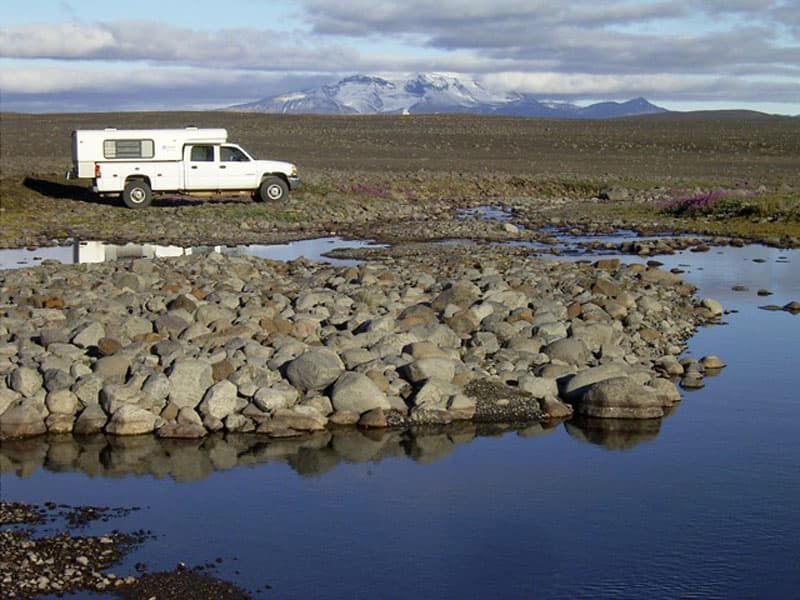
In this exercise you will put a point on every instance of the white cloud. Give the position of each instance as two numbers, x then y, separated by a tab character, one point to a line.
579	48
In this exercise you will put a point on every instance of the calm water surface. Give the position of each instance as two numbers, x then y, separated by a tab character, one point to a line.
704	504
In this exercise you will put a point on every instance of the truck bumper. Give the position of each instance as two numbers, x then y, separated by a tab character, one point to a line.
294	183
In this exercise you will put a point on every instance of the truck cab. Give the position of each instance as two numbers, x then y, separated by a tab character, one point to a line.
135	163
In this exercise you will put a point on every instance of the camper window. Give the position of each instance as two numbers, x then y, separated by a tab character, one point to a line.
128	149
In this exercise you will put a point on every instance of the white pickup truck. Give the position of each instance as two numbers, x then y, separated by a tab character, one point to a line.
134	163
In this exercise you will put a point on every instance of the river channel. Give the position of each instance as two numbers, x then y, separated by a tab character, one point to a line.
702	504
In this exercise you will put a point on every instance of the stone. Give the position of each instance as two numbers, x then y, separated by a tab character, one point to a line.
344	417
569	350
20	421
375	418
131	420
581	381
91	420
188	416
538	387
107	346
7	398
713	306
60	423
57	379
181	431
299	418
670	365
26	381
435	394
619	398
431	367
460	293
89	335
712	362
666	391
355	392
189	379
278	395
220	400
63	402
553	408
113	369
315	369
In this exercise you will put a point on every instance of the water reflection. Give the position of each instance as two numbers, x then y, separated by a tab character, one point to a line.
613	434
193	460
80	252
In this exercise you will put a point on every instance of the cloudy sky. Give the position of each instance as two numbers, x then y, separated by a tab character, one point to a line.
74	55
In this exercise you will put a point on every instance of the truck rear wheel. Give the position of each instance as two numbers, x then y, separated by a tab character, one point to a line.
273	189
137	194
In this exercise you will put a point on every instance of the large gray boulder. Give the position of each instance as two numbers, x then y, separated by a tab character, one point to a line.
220	400
23	420
189	379
432	367
355	392
570	350
92	420
131	420
619	398
315	369
580	382
26	381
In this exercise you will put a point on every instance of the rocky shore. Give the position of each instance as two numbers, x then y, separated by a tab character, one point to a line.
188	346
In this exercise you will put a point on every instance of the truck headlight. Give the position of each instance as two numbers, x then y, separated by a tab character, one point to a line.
294	171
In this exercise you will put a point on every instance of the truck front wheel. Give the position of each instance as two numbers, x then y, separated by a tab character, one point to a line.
273	189
137	194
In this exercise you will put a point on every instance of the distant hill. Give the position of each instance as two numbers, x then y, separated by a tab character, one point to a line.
430	93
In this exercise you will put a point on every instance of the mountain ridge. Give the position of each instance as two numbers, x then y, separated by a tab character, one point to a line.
432	93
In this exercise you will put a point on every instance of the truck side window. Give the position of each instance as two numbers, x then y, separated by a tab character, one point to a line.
202	154
231	154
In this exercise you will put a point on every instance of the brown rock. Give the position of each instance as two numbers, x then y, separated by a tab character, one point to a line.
373	418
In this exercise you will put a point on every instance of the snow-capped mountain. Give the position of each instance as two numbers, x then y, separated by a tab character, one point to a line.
427	93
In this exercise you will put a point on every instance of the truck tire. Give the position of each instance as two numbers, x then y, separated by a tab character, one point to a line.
137	194
273	189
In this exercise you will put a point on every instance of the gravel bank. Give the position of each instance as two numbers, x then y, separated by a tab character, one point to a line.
198	344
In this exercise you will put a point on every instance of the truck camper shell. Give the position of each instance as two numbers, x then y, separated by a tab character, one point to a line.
136	163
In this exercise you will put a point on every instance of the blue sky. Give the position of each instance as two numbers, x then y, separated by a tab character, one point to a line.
67	55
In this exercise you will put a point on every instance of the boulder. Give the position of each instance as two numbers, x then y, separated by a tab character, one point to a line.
355	392
91	420
315	369
569	350
189	379
279	395
619	398
431	367
580	382
26	381
131	420
23	420
62	402
112	368
220	400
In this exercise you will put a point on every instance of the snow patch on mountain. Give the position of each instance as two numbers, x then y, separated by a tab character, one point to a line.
427	93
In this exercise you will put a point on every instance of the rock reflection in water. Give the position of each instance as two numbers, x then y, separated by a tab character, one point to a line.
193	460
614	434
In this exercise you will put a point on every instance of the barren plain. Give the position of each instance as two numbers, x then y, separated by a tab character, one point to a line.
405	176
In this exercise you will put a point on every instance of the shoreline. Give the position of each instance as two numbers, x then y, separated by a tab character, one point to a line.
188	346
